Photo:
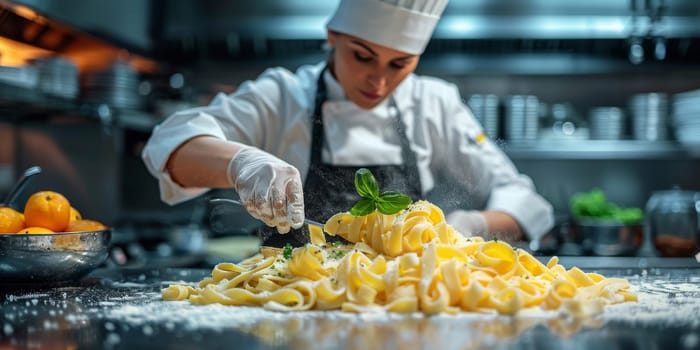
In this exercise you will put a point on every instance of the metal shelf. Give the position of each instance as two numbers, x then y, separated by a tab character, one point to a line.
16	101
597	149
19	103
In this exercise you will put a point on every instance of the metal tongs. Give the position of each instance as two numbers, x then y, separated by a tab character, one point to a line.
233	201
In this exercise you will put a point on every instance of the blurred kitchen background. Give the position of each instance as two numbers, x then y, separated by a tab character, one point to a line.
583	95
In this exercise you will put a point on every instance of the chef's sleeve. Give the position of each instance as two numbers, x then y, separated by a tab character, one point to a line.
490	175
239	117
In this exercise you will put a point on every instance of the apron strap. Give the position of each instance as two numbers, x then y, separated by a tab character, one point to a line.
317	134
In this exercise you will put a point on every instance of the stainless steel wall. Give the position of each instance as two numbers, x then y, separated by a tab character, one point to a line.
473	49
629	171
462	18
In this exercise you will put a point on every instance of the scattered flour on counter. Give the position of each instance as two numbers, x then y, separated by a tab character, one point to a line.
126	285
660	301
328	329
108	303
183	283
7	329
213	316
12	297
220	317
112	340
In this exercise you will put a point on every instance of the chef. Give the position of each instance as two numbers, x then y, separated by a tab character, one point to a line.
289	143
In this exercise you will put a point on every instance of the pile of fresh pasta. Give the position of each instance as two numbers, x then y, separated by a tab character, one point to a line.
412	261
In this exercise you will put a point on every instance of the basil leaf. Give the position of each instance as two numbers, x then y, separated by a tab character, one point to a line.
287	251
365	184
392	202
387	203
363	207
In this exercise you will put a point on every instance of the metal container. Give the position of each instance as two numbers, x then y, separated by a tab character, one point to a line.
485	109
522	118
608	238
649	116
51	258
57	76
117	86
607	123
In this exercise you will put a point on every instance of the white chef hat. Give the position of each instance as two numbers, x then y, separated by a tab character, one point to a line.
403	25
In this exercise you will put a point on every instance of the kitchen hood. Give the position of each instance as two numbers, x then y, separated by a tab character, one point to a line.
190	30
124	23
41	29
462	19
269	28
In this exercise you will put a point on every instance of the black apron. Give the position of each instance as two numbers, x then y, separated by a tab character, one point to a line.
330	189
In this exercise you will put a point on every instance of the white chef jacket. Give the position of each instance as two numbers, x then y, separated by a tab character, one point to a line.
274	111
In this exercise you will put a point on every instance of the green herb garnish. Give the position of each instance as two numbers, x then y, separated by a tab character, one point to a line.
287	251
337	254
595	205
387	203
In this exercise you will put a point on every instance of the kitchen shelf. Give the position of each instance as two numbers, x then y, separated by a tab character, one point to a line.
18	101
597	149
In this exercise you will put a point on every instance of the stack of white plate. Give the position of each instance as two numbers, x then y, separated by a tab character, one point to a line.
686	119
649	116
522	118
117	86
485	109
25	76
607	123
57	76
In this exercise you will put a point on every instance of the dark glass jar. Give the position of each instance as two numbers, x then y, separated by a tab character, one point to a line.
673	221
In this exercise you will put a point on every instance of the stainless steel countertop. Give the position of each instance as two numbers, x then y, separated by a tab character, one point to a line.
624	262
122	309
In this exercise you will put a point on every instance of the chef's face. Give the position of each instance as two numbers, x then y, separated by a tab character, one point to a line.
367	72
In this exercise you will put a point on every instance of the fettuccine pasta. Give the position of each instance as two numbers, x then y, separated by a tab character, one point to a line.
409	262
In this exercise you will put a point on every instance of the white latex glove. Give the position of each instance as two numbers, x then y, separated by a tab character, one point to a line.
468	222
269	188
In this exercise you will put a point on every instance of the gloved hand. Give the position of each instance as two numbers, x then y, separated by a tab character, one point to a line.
269	188
468	222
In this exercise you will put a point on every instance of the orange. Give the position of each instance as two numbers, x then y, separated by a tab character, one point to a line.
35	230
85	225
47	209
11	220
75	214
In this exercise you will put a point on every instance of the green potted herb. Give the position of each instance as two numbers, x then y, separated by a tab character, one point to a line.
604	228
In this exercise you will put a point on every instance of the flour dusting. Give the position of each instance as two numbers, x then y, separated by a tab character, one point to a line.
661	300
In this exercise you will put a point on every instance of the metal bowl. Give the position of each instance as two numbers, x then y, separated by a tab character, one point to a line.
51	258
608	238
